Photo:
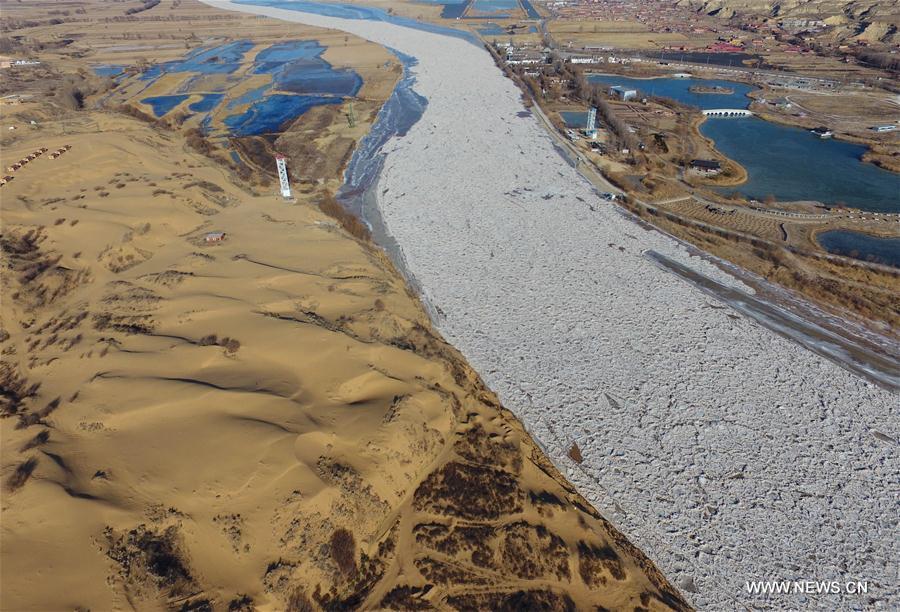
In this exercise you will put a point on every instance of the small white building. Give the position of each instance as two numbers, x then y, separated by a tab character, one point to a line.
622	93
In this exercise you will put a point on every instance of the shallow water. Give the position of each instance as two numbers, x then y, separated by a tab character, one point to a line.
163	104
858	245
223	59
491	29
494	7
206	103
272	112
297	66
250	96
109	70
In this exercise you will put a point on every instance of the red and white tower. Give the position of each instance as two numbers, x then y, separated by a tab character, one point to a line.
280	161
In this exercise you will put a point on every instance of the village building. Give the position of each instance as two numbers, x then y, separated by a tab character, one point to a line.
623	93
214	237
709	167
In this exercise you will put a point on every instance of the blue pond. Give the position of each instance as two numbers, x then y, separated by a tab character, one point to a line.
494	6
297	66
269	114
206	103
163	104
786	162
793	164
223	59
491	29
454	9
861	246
109	70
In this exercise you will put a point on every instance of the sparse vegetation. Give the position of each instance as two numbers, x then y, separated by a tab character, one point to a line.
343	550
299	602
21	474
146	5
148	557
350	222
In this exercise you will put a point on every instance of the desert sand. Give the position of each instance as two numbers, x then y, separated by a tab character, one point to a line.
267	421
726	452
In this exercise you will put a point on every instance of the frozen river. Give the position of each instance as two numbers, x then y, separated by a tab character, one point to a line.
727	452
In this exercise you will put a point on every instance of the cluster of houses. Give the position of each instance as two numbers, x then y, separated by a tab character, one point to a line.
6	62
29	158
522	54
26	159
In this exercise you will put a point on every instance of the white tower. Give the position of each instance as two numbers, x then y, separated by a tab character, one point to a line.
591	119
591	128
283	176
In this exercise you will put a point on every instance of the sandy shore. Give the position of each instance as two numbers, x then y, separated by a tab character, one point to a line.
725	452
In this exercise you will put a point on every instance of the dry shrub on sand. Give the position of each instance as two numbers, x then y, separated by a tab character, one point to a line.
343	550
21	474
299	602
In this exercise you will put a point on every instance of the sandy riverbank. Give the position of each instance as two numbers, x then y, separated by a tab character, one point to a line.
726	452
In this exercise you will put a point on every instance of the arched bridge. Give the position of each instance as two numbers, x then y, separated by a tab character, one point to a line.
727	112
